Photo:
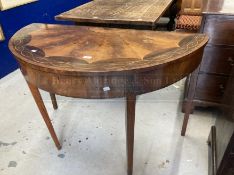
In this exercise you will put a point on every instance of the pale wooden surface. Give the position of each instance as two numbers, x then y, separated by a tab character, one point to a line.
138	12
96	62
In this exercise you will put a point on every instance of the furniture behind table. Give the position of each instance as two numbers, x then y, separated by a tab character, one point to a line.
206	85
221	139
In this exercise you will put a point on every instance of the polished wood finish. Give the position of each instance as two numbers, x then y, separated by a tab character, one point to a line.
122	53
218	58
122	12
219	28
95	63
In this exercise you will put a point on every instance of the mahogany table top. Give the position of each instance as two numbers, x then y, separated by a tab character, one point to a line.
80	49
137	12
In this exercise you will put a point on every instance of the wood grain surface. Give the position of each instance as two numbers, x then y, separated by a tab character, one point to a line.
93	49
139	12
60	58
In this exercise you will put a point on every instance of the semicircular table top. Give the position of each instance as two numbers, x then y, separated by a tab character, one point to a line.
95	62
83	49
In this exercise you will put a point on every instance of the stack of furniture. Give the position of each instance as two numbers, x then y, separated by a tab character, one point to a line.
206	86
190	17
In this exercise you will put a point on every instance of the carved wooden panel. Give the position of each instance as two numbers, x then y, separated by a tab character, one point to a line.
118	49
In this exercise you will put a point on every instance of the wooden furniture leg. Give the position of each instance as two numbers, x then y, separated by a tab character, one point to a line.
188	107
189	102
54	101
186	89
173	12
130	122
37	97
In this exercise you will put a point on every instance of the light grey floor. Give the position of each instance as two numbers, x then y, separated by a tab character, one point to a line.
92	133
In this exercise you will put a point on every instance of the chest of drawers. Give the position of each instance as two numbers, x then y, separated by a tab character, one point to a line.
208	82
221	139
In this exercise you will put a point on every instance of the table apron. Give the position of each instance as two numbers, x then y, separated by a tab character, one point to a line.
111	86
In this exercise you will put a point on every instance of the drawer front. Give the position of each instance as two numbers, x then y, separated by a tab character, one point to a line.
220	29
210	87
219	60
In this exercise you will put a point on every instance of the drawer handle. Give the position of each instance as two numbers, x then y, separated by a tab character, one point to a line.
221	86
230	59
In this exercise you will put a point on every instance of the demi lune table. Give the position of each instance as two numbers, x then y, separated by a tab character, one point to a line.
123	13
97	63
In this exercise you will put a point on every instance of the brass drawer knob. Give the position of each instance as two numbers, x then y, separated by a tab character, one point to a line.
221	86
230	59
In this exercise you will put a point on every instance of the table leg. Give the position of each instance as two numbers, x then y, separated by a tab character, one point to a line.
173	12
188	107
54	101
189	102
38	99
130	122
